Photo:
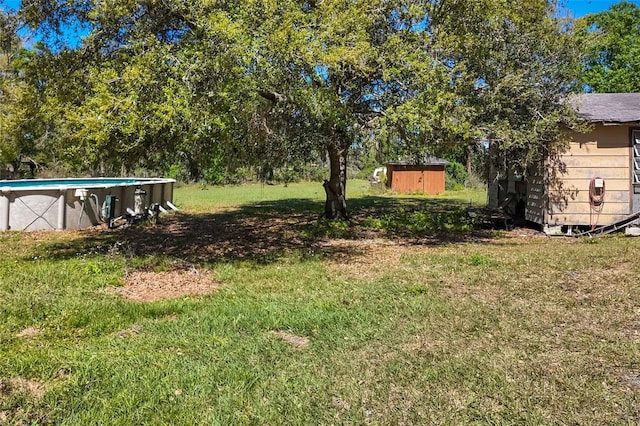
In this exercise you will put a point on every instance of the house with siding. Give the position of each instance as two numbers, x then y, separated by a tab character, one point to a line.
596	182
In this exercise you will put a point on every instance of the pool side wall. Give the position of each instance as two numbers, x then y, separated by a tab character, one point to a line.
33	208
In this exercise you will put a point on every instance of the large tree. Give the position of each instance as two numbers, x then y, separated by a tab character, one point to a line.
267	80
612	49
150	83
10	88
341	67
514	65
429	76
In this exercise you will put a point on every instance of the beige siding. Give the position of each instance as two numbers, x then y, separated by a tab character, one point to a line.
601	161
610	184
597	170
596	148
603	153
583	219
609	137
582	197
606	208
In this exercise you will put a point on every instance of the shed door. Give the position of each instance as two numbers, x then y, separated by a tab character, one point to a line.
635	175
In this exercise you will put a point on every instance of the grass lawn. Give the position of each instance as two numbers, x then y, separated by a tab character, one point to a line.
246	308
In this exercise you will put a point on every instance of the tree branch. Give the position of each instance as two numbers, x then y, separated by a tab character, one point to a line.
274	97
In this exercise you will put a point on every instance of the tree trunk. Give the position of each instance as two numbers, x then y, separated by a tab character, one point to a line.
336	205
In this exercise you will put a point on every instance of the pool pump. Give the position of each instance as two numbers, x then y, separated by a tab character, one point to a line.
109	210
140	209
138	202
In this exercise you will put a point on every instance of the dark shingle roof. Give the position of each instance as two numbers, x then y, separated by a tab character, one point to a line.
426	161
608	107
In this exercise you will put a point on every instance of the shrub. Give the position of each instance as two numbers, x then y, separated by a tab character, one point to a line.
365	173
474	181
314	172
455	176
223	176
286	175
177	171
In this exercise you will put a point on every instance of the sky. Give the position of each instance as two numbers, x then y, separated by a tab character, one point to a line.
580	8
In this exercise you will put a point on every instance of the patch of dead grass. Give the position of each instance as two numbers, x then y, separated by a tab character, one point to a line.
133	330
31	387
29	332
151	286
373	259
295	341
631	380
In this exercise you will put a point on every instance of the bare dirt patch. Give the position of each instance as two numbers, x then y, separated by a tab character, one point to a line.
631	379
364	259
292	339
525	233
31	387
133	330
151	286
29	332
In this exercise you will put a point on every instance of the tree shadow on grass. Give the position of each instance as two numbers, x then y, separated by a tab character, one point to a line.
264	232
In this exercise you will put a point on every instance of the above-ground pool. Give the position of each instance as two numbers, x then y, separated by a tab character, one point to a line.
36	204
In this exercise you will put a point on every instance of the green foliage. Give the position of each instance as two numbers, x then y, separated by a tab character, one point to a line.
456	176
365	172
216	86
286	175
512	87
14	94
176	171
478	260
475	181
324	228
303	172
611	62
313	172
423	221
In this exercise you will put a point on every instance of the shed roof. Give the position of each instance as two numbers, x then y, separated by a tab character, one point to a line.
426	161
608	107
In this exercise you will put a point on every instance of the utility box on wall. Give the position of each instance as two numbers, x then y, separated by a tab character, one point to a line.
426	176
